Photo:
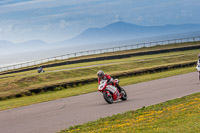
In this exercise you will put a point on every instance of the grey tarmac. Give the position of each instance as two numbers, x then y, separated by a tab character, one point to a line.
53	116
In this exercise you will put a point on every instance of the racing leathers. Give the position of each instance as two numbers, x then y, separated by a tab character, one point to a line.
110	81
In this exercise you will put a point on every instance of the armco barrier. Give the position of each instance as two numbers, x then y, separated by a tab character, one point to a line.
94	79
99	51
106	58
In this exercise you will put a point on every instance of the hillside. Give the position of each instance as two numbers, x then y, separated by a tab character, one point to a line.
123	31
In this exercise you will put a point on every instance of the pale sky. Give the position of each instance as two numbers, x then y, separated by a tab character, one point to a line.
57	20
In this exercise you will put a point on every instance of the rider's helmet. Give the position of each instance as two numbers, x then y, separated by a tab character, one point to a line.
100	73
199	55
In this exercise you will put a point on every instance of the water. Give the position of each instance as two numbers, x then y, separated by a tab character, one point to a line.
11	59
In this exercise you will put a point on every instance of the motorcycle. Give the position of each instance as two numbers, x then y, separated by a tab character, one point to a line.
110	92
40	70
198	70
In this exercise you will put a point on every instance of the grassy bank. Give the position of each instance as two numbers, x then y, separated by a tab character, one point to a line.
134	58
22	84
124	52
175	116
28	100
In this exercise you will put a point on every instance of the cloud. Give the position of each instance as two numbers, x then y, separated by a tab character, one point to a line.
118	18
7	28
40	4
75	16
64	24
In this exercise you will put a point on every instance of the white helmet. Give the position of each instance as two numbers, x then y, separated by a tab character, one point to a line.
100	73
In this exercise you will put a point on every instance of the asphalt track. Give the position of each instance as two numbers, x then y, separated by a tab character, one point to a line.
49	117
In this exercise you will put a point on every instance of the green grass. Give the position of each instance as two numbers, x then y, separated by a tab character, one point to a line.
175	116
144	49
28	100
20	84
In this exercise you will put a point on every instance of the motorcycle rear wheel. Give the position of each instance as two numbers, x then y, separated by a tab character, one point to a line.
108	99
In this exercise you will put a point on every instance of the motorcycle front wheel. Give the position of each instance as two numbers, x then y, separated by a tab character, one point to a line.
108	99
124	95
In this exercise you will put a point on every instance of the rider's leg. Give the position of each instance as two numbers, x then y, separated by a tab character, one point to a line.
119	87
116	84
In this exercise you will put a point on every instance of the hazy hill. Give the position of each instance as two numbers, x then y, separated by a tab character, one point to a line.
118	31
122	31
7	47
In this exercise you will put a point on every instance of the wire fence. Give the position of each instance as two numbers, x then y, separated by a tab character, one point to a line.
99	51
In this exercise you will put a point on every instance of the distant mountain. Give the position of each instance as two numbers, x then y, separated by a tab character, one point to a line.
123	31
5	42
119	31
7	47
33	43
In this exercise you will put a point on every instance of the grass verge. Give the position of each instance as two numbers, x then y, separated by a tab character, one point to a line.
174	116
194	53
25	84
109	54
28	100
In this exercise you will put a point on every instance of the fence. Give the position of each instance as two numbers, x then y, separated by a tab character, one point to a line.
99	51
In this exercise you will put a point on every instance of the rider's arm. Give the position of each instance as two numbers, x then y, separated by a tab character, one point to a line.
99	80
108	77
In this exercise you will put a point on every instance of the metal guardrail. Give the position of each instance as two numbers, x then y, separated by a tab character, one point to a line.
99	51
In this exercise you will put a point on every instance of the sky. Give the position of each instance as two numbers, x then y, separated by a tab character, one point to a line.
58	20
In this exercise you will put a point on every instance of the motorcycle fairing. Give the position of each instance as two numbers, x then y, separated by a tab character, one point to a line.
114	91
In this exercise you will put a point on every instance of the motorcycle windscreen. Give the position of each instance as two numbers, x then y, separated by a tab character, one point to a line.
102	85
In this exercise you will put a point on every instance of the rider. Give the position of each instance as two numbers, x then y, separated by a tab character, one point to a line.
102	76
198	64
40	69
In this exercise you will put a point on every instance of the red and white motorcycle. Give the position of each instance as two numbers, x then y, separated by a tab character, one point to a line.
110	92
198	70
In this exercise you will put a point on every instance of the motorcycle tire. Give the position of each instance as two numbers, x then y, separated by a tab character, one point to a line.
108	99
124	95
